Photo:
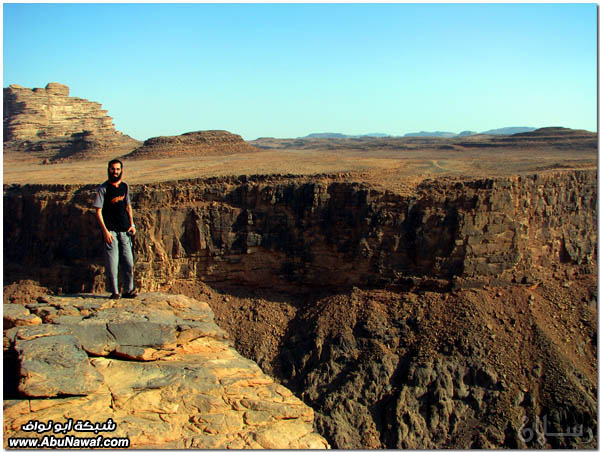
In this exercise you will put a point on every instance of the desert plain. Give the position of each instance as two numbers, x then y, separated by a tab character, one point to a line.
412	292
395	164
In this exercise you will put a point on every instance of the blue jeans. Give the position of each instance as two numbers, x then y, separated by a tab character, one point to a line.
119	251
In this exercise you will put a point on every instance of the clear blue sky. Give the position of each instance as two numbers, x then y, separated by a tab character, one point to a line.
286	70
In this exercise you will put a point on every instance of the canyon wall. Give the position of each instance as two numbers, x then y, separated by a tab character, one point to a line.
456	317
301	233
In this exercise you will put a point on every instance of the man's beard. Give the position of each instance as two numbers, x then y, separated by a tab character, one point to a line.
114	179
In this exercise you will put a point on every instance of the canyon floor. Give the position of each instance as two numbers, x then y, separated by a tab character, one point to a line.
392	368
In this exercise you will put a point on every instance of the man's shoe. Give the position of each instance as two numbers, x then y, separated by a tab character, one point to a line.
131	294
115	296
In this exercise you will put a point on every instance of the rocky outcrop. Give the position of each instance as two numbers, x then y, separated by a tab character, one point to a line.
158	367
191	144
50	124
294	232
473	368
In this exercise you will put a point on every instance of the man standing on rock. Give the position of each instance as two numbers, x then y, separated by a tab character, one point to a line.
114	213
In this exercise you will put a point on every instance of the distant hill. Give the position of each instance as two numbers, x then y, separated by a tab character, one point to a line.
557	132
431	134
192	144
502	131
326	135
508	130
550	137
341	135
438	134
376	135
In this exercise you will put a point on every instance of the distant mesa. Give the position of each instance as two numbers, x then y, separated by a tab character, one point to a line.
49	124
328	135
431	134
508	130
377	135
423	133
556	132
325	135
466	133
555	137
561	138
192	144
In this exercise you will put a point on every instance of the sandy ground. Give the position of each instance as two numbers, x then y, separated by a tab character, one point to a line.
387	169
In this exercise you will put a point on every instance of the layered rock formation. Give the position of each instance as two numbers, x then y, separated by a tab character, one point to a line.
50	124
192	144
474	306
293	233
158	367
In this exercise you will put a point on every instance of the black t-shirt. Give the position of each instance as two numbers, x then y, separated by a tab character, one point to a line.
113	201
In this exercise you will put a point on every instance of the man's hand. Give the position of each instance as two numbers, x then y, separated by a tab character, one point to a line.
108	238
105	232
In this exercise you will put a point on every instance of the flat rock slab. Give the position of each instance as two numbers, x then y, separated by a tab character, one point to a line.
18	315
157	366
55	365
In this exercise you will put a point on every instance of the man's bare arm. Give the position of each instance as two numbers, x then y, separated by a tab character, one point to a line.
105	232
130	215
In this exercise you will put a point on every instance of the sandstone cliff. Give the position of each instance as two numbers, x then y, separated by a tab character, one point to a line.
158	367
49	124
208	142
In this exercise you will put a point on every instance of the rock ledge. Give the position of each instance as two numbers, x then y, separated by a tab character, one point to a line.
158	366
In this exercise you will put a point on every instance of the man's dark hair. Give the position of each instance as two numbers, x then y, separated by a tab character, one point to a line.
113	161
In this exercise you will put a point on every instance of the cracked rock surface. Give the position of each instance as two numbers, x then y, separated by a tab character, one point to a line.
158	366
